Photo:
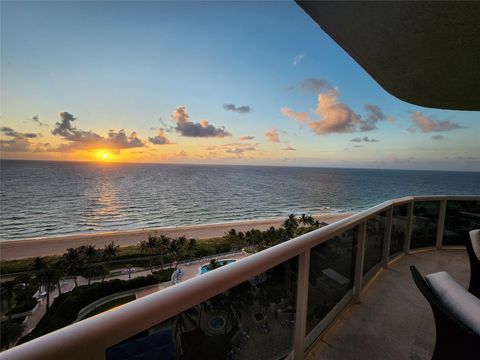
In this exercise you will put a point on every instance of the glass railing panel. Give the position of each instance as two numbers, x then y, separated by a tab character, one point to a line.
332	266
399	226
253	320
425	222
374	241
461	217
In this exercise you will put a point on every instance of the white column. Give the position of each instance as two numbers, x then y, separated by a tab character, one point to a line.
388	236
302	302
441	223
362	234
408	228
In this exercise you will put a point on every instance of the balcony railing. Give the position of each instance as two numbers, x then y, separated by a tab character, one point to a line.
272	304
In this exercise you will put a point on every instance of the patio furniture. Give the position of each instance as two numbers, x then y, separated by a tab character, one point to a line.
472	243
456	313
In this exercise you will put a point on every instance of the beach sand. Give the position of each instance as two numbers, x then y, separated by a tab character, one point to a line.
27	248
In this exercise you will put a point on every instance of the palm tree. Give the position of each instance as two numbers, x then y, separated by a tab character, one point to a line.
89	273
73	263
149	246
290	225
89	251
110	250
59	269
8	293
39	264
177	248
304	219
48	278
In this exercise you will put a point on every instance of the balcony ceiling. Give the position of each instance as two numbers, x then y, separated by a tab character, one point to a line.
424	53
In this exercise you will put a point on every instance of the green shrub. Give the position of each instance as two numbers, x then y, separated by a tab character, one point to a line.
65	308
27	305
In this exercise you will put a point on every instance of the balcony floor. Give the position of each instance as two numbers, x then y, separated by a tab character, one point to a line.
393	321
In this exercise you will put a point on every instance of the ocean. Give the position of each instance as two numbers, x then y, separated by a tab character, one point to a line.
41	199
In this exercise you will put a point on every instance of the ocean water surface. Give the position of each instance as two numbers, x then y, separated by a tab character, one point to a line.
58	198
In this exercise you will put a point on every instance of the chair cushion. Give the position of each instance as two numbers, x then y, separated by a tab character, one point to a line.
463	305
475	239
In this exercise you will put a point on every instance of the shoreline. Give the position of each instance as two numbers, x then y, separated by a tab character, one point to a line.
57	245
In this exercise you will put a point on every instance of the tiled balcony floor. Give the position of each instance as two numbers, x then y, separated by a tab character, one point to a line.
393	320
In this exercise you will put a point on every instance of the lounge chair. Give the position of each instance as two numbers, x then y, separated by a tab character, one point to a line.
456	313
472	244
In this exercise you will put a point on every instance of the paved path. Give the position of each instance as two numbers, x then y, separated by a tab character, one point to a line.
189	270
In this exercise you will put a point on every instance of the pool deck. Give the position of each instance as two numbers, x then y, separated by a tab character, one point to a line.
393	320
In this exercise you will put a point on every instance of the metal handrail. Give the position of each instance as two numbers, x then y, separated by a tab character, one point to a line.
89	338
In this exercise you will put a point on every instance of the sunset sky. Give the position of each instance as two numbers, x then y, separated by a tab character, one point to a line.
209	83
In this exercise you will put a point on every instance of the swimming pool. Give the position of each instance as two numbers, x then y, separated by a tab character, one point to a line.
219	263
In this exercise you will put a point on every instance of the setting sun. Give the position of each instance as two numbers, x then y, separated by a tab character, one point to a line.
103	155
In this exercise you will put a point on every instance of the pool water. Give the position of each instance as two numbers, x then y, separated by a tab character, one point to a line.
208	267
217	323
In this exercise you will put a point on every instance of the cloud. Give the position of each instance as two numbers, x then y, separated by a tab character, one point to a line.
438	137
237	149
364	139
301	117
80	139
119	140
19	142
336	117
68	131
244	109
17	135
289	148
15	145
190	129
273	135
240	149
297	59
245	138
36	119
160	138
165	127
308	85
374	115
427	124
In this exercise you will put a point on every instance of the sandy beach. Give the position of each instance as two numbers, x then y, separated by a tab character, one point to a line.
27	248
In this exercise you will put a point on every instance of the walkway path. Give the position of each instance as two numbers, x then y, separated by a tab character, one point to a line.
190	270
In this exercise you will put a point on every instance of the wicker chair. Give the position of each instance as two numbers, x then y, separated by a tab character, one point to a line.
472	243
454	340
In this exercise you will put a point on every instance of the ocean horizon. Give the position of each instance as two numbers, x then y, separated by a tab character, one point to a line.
55	198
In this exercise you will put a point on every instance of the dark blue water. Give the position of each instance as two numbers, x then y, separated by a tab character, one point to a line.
56	198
